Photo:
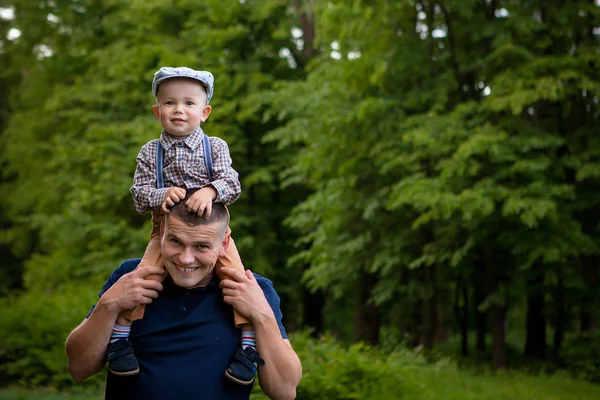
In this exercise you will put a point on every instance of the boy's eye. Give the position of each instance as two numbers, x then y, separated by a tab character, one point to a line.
169	103
190	103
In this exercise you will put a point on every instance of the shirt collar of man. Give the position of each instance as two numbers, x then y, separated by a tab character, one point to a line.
192	141
171	287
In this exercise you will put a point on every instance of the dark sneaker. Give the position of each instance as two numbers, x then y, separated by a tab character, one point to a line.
120	357
244	365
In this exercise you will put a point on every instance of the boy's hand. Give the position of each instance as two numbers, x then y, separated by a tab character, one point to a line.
202	200
173	195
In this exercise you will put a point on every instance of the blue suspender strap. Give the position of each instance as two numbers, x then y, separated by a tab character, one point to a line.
207	156
160	183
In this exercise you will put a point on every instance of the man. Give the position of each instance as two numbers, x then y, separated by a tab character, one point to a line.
187	337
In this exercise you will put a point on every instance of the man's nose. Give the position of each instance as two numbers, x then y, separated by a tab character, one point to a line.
186	256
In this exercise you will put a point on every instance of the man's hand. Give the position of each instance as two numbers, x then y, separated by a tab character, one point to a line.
243	292
173	195
132	289
202	200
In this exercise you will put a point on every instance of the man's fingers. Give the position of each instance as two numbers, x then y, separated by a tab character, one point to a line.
249	275
233	274
151	294
180	193
151	270
228	292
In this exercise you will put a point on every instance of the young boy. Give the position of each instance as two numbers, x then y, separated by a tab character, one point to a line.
182	98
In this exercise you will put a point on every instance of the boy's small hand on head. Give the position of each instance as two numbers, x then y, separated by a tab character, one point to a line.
173	195
202	200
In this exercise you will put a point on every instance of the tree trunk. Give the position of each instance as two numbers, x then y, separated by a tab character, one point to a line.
480	317
366	315
560	322
312	313
443	311
497	325
588	319
429	311
497	312
461	311
535	341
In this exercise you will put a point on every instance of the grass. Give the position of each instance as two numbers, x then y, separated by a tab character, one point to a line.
334	371
449	384
435	382
16	393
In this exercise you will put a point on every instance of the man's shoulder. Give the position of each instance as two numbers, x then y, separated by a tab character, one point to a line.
125	267
262	280
267	286
128	265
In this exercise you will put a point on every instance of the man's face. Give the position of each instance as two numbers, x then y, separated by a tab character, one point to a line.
181	106
190	252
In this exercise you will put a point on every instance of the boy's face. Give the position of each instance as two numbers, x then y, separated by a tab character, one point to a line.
181	106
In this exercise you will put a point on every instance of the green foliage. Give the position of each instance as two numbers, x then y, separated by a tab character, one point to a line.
581	355
34	329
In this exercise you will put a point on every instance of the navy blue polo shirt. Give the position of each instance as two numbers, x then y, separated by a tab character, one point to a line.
184	344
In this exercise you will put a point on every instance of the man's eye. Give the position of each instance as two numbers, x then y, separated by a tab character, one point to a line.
175	242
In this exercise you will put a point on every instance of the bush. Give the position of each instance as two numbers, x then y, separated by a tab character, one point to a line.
581	356
33	328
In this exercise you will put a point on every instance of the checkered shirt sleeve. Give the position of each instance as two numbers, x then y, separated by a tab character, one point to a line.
146	196
225	179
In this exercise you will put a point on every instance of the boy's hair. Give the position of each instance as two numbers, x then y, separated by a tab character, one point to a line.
204	77
218	215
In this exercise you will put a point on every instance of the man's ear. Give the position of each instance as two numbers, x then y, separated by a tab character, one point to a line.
225	243
156	111
205	113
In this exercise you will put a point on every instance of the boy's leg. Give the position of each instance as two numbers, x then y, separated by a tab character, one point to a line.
245	363
232	259
120	356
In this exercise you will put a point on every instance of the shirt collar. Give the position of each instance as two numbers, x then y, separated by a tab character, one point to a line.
192	141
170	287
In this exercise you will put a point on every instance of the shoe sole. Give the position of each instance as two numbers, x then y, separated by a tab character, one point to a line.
236	380
126	373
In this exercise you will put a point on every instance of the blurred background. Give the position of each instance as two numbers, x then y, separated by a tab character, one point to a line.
421	182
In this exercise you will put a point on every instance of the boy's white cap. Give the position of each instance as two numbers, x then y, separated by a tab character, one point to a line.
205	77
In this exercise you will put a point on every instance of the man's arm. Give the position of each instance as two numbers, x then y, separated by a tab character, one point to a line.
281	374
146	196
86	345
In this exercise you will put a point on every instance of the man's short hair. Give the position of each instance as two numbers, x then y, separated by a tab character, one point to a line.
219	213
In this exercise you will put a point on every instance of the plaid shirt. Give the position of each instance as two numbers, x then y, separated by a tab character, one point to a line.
184	167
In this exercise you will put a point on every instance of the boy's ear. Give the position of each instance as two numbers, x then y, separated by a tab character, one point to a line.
156	111
205	113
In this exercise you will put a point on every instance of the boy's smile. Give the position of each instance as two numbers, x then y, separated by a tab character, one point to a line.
181	106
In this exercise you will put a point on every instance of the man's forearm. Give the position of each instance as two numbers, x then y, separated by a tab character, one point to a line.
86	345
281	374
